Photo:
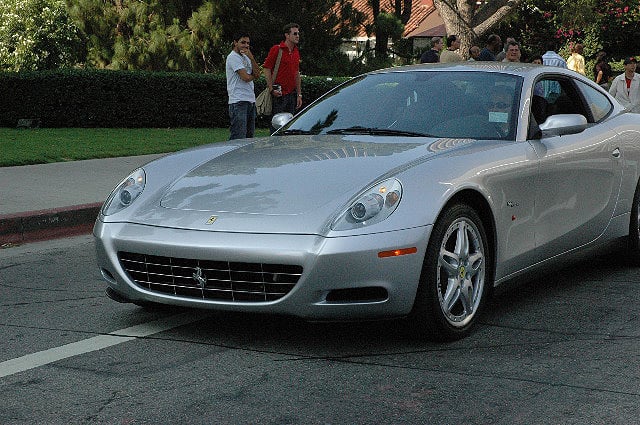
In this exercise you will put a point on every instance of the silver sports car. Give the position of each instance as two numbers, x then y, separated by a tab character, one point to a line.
407	192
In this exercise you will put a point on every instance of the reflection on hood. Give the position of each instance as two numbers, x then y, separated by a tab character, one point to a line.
445	144
288	175
276	152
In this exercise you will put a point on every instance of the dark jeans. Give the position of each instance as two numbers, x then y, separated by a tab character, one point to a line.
286	103
243	119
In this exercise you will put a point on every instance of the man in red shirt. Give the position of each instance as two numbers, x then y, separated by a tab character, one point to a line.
289	97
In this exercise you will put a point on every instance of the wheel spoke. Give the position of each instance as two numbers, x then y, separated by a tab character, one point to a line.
450	261
466	297
452	294
474	263
462	240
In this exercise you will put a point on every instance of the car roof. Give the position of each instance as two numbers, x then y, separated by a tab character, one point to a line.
519	68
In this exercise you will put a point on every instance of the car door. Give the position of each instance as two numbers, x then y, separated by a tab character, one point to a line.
579	175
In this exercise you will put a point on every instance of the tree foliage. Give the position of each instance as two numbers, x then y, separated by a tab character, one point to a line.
618	24
196	35
37	35
611	25
154	35
387	24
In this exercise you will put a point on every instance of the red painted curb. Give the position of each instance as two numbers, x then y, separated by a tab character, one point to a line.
42	225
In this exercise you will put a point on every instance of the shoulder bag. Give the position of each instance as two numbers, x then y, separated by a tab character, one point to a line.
264	100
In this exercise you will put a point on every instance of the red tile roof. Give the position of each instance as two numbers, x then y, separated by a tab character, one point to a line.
420	10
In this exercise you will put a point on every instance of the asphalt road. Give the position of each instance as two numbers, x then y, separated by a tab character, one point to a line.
561	349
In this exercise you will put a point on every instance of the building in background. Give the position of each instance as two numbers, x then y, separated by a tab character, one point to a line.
425	22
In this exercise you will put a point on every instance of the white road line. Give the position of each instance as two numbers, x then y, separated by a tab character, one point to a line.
41	358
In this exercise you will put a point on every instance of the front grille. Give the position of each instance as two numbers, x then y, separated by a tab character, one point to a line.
212	280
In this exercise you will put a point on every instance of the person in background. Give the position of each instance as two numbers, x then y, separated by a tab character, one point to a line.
552	89
499	107
503	53
626	86
537	59
575	62
474	53
451	53
289	96
432	55
551	58
493	46
241	69
513	52
602	73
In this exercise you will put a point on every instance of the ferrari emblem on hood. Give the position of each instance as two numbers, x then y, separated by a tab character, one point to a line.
212	219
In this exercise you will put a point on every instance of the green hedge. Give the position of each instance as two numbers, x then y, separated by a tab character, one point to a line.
125	99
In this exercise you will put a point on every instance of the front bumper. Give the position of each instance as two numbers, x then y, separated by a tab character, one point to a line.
330	265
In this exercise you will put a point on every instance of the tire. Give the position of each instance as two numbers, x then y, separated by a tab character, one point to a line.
633	241
456	277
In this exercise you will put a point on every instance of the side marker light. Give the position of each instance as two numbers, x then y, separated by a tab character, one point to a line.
397	252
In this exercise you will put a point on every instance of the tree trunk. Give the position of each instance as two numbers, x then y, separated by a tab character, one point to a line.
382	40
403	10
462	18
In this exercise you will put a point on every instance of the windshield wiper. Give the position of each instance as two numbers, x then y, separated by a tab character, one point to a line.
376	131
294	132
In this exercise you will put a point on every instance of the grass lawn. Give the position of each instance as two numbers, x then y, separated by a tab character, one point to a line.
43	145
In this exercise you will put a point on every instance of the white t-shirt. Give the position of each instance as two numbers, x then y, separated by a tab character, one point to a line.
239	90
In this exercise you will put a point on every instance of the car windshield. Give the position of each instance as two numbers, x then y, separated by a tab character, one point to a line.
452	104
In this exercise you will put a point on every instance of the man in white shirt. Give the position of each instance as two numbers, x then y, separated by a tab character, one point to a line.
626	86
241	69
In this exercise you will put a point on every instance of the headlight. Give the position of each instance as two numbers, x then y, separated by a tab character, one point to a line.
125	193
371	206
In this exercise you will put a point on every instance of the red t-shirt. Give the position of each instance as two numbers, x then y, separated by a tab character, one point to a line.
289	66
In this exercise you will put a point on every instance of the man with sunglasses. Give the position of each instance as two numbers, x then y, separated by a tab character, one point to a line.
286	89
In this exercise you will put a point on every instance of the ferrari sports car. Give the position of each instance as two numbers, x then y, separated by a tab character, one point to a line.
409	192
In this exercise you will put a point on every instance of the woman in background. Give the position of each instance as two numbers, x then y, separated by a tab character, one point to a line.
576	60
602	73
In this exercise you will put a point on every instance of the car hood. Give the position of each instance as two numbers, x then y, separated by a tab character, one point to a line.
293	184
289	176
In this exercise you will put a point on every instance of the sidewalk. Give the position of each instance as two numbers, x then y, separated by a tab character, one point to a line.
39	202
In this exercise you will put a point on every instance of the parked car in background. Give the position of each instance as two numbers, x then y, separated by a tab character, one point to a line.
407	192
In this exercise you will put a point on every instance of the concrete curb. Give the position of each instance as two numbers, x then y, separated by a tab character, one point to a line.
47	224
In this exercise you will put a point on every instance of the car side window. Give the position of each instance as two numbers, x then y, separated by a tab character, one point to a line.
556	95
597	102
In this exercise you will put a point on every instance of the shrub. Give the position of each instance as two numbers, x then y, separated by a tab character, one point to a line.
126	99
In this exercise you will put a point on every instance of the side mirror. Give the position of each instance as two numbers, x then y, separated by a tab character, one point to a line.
279	120
562	124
